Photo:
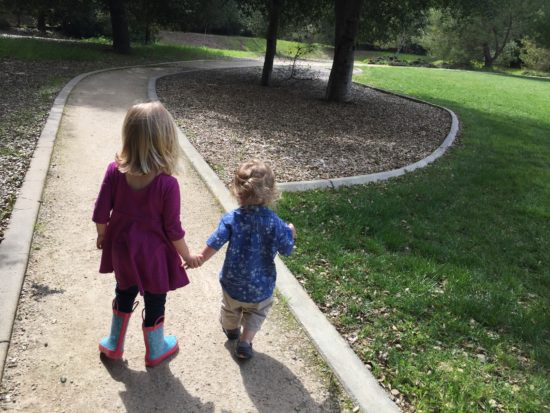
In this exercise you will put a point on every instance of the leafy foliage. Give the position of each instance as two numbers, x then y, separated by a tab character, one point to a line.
479	31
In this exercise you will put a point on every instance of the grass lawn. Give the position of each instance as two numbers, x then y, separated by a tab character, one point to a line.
440	280
98	51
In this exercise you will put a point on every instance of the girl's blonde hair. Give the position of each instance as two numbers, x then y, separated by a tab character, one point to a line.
254	183
149	141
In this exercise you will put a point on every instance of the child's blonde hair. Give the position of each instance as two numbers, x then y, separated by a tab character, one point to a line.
149	141
254	183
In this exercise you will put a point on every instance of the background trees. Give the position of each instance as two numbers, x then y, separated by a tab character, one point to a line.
483	30
460	32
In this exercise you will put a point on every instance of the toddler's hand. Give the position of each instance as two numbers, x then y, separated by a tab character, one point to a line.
291	226
194	261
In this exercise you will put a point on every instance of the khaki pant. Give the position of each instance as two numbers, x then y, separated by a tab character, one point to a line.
251	315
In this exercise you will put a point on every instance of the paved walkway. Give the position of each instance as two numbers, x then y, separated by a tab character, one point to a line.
53	364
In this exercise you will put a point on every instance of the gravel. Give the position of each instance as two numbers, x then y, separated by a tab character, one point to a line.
229	118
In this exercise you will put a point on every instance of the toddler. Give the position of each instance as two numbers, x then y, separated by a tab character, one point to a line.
137	215
255	235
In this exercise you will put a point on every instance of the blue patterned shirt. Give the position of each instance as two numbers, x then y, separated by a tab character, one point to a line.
255	235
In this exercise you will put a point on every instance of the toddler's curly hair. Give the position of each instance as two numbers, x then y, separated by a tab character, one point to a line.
254	183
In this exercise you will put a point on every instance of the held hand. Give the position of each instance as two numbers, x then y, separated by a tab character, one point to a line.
194	261
291	226
99	242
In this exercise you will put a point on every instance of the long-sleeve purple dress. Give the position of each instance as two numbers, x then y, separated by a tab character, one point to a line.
140	227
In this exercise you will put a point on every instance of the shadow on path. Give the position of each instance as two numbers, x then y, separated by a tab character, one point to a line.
272	387
156	389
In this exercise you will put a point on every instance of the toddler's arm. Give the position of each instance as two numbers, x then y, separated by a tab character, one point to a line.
192	260
100	235
207	253
291	226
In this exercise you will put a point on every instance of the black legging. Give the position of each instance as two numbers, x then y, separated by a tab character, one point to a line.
154	303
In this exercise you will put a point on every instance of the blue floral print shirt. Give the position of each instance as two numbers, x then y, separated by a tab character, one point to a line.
255	235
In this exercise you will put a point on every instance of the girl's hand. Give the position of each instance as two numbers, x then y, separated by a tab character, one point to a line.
194	261
101	228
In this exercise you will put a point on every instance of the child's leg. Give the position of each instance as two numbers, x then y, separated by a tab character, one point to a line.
158	347
154	308
230	313
123	306
124	299
253	317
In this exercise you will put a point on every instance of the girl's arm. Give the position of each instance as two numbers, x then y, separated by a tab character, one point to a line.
192	260
104	204
100	235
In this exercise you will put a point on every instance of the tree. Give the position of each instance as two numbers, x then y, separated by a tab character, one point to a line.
542	25
119	23
275	7
391	21
478	30
347	14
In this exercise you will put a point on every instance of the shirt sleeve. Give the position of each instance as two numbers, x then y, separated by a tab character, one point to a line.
106	198
171	212
221	235
285	241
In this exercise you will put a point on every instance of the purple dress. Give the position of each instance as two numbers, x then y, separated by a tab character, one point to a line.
140	227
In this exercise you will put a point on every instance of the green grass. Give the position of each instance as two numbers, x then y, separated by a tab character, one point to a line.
441	279
98	51
256	46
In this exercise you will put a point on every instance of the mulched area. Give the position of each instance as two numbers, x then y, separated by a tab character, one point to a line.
28	92
229	118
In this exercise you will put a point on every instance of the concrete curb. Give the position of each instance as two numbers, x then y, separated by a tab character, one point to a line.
350	370
380	176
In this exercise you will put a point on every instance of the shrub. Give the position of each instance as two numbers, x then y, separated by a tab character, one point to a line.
4	24
534	57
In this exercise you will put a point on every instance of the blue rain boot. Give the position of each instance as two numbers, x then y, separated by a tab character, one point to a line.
157	346
113	345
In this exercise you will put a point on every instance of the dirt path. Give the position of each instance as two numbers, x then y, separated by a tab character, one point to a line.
53	364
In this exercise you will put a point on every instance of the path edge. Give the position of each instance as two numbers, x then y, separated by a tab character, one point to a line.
356	379
15	248
300	186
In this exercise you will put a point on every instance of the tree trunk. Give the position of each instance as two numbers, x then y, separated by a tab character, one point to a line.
347	24
275	7
488	58
119	23
147	33
41	21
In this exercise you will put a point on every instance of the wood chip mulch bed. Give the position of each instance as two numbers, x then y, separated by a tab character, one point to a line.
230	118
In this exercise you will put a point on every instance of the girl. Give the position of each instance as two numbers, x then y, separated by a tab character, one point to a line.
137	214
255	235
